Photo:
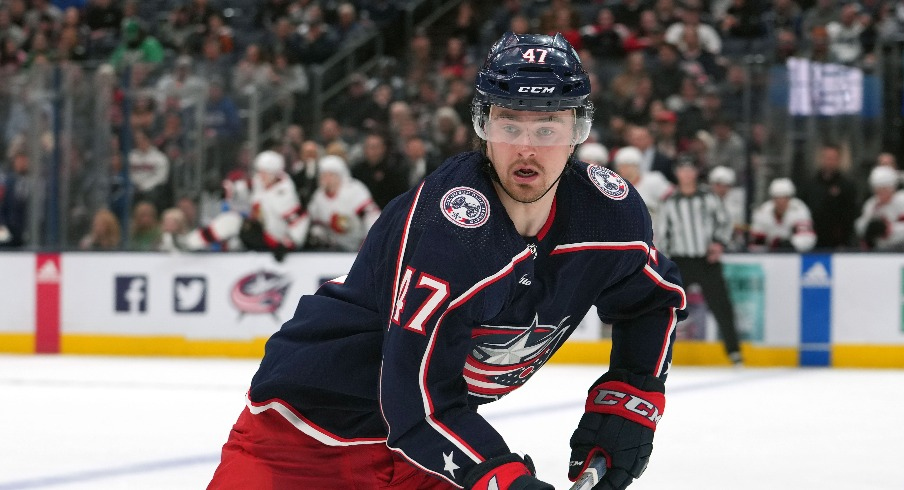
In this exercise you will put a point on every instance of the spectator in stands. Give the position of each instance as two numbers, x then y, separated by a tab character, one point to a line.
105	233
783	223
845	35
12	58
222	128
178	34
742	29
455	60
73	40
819	14
665	133
216	28
728	148
466	25
784	15
624	84
418	158
149	171
548	18
173	230
502	17
628	13
330	133
253	71
565	23
15	195
144	235
342	209
667	72
380	171
357	111
832	198
734	198
707	37
143	115
200	11
818	48
8	29
269	11
213	64
604	39
881	222
136	47
348	27
666	13
652	186
640	138
697	61
318	43
182	84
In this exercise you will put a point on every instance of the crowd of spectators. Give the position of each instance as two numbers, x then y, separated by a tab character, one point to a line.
670	81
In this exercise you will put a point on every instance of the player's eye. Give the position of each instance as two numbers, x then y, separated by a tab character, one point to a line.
546	132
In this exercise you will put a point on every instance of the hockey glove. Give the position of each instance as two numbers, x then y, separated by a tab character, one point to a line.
506	472
619	418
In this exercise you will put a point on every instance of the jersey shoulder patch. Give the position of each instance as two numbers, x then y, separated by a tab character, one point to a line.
465	206
608	182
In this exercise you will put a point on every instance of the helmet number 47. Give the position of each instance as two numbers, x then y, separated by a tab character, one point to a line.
531	57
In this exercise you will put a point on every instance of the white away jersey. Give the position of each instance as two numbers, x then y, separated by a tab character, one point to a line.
277	207
771	232
893	215
343	220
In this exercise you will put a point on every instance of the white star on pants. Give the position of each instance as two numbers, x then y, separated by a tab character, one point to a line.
450	465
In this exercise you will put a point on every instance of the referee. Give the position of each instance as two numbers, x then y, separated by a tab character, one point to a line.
693	230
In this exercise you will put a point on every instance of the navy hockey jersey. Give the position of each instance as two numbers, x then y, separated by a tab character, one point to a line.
447	307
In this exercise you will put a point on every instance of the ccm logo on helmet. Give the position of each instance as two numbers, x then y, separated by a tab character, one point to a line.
630	403
536	90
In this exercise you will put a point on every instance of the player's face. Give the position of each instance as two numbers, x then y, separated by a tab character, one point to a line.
529	149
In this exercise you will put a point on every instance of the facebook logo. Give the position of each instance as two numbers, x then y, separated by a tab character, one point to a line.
190	294
132	294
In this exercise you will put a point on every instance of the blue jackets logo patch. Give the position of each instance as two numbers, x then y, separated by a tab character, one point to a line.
465	207
608	182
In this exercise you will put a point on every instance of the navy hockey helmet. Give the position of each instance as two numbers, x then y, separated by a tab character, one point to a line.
533	72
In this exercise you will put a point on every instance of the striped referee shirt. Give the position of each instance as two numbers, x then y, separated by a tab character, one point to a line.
688	224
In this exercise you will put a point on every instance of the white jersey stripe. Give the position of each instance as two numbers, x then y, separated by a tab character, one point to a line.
321	435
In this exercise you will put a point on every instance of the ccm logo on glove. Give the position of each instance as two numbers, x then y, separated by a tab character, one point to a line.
626	401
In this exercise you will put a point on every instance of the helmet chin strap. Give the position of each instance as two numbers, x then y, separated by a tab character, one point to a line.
495	176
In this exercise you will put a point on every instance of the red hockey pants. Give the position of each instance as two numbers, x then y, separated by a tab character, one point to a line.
266	452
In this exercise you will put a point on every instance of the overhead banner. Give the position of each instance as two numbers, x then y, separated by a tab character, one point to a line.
823	89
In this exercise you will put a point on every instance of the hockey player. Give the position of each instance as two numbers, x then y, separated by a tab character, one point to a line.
881	224
722	183
783	223
276	221
652	186
341	209
464	287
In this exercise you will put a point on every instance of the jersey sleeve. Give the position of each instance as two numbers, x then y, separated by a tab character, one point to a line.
643	309
439	295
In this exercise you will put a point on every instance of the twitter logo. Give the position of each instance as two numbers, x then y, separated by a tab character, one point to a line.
190	294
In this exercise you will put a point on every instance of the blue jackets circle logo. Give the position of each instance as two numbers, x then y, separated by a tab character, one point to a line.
465	207
608	182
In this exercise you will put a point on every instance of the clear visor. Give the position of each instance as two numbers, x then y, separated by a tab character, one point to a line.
523	128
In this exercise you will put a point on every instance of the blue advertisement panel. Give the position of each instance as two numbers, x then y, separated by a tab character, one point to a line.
815	309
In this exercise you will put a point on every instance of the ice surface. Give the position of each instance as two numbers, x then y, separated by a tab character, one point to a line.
79	422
